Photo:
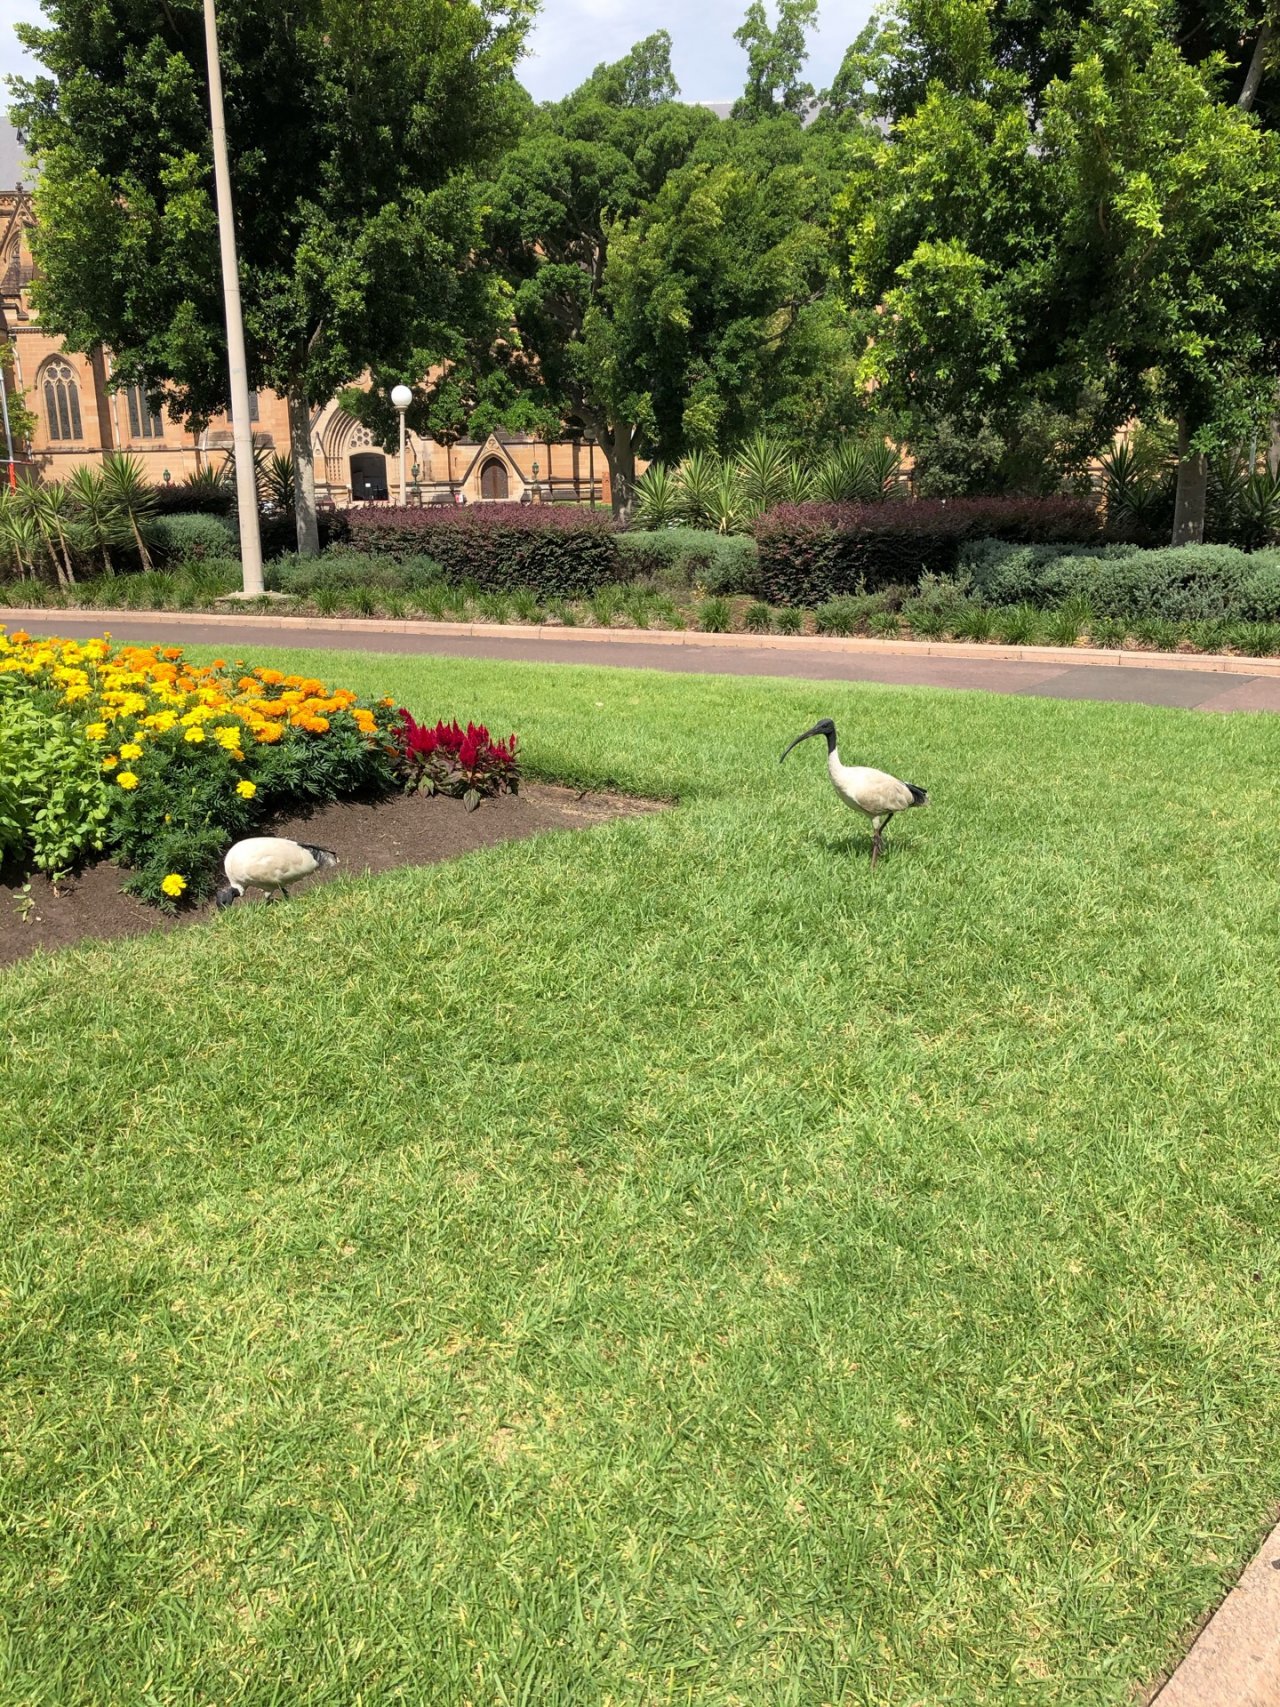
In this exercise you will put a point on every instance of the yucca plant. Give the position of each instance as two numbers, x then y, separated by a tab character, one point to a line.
731	510
50	509
884	463
798	486
102	521
697	477
131	497
1138	494
1260	504
211	480
763	466
19	536
657	495
844	477
262	454
276	481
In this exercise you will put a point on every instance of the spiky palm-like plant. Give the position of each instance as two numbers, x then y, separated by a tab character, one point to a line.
697	476
132	498
100	517
657	497
49	509
763	466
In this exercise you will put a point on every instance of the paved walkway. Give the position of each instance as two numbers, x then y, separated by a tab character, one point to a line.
1192	682
1236	1659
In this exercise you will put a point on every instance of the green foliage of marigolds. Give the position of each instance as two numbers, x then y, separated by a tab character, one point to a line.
54	802
702	1272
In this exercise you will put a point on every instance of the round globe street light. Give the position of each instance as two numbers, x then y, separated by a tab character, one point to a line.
402	397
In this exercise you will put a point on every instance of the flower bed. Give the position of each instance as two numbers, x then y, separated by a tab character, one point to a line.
138	753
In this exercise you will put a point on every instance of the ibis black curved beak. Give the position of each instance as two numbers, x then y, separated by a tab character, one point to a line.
818	729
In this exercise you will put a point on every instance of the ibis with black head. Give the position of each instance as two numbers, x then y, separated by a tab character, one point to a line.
875	794
271	863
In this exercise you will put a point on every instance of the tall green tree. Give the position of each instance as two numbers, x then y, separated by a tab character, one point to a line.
1111	236
775	59
586	167
355	131
667	270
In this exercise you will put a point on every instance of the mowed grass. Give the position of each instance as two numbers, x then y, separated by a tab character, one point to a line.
666	1263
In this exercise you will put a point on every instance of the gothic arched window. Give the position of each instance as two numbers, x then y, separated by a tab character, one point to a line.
61	401
142	423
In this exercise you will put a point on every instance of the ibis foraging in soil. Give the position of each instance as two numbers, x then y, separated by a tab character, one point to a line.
875	793
271	863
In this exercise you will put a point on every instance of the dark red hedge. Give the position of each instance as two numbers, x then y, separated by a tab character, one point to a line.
812	552
556	551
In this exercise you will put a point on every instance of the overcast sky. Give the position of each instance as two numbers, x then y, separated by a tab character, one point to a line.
572	37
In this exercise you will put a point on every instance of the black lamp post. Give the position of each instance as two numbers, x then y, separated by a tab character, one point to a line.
590	437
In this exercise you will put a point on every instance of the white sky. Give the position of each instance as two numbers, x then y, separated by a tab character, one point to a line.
572	37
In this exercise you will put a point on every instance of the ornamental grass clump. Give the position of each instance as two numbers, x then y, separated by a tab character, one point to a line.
161	763
465	763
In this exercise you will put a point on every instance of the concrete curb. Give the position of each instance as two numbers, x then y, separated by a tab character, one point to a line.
959	651
1235	1660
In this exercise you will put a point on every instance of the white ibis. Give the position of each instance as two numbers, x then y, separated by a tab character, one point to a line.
875	793
271	863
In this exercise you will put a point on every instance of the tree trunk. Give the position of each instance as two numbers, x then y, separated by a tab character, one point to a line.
1257	65
66	556
1193	482
621	453
304	476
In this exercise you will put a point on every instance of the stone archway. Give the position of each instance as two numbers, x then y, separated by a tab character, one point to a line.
493	481
368	477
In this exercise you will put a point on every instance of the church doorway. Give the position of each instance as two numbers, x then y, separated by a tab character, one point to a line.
368	477
493	480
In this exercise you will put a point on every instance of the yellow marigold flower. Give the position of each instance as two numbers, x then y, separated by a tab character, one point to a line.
131	750
110	762
173	884
96	731
126	779
228	736
195	734
73	694
246	789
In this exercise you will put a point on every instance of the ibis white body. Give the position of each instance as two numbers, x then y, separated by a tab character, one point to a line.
875	794
271	863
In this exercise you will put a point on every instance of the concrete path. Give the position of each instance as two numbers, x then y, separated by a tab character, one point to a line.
1190	681
1236	1659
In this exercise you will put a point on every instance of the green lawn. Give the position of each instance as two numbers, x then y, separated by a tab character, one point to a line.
666	1263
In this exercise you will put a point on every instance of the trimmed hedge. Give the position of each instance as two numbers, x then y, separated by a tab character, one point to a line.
304	576
1187	583
555	552
279	533
205	499
684	557
812	552
194	536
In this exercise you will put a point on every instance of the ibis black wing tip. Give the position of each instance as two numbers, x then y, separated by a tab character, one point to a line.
919	796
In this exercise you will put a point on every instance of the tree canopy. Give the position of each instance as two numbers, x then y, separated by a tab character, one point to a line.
354	133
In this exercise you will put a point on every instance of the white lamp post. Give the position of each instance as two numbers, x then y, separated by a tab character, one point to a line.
241	424
402	397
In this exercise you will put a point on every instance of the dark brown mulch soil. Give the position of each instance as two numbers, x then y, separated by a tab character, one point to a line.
402	830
